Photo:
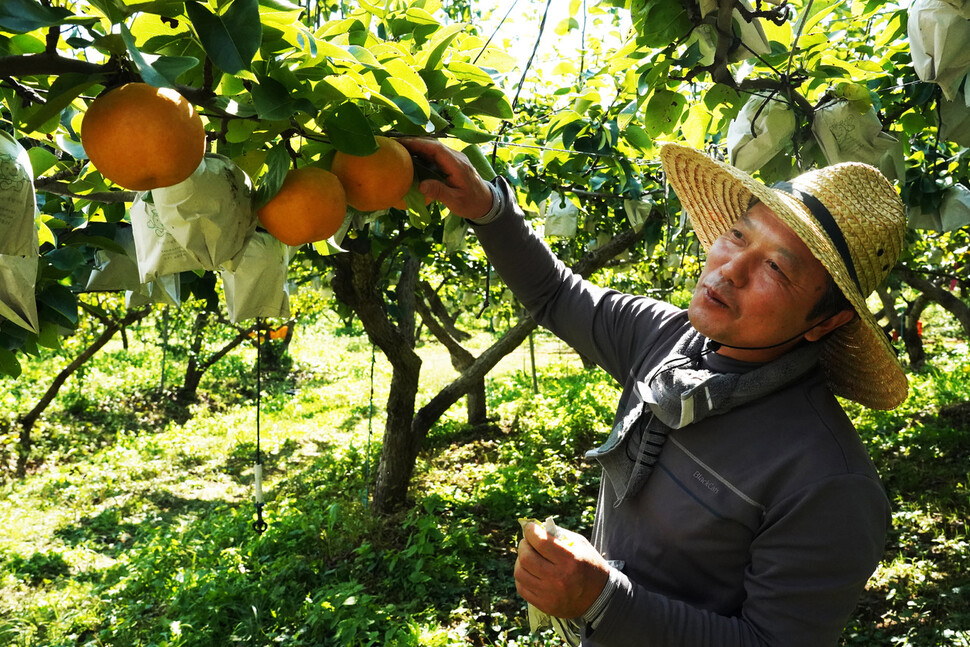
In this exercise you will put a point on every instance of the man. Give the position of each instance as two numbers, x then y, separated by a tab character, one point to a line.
738	504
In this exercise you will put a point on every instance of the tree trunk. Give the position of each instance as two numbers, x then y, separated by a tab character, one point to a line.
357	283
461	359
946	299
437	307
911	333
189	390
476	404
28	420
430	413
889	310
197	365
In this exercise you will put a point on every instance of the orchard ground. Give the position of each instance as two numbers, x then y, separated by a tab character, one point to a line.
137	528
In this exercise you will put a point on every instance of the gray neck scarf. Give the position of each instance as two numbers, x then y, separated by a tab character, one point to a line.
678	392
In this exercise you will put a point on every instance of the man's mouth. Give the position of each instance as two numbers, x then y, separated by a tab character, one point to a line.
713	295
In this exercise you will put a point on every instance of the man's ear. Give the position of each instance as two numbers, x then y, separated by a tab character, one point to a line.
826	326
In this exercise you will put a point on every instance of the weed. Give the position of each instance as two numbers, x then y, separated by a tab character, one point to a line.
136	527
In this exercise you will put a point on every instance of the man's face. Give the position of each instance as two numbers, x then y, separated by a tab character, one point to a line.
759	283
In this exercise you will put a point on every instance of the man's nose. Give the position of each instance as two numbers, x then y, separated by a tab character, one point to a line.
736	270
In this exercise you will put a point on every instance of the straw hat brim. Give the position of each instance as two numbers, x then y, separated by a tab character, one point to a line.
859	362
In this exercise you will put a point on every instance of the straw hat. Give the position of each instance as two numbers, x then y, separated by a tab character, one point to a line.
852	220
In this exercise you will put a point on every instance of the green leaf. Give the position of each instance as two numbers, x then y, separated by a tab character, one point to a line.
232	39
663	112
65	89
101	242
49	337
277	166
491	102
402	71
349	130
239	130
469	73
114	10
817	10
326	49
22	16
416	24
418	213
70	146
59	299
662	23
480	162
348	85
365	57
724	103
327	247
279	12
9	364
627	114
466	130
565	26
439	45
114	212
721	94
572	131
407	98
41	160
697	125
65	258
272	100
172	67
852	91
145	69
638	137
159	71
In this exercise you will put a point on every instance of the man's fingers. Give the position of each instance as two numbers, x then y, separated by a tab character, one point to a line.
528	572
434	152
455	183
433	189
544	543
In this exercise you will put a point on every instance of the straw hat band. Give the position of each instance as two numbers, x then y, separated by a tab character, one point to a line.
824	217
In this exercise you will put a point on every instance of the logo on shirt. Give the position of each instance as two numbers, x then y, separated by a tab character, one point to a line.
708	483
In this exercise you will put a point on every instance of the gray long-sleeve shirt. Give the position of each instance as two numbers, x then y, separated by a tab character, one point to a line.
759	526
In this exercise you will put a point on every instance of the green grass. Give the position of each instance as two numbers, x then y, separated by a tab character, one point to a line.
135	528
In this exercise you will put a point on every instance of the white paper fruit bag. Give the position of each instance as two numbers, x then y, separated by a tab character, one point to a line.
211	213
18	276
846	135
955	119
18	232
939	40
257	287
759	132
562	216
164	290
157	251
113	270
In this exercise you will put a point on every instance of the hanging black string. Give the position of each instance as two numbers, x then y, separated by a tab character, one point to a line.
259	525
370	428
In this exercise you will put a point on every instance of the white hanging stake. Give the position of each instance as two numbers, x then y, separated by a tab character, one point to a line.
259	483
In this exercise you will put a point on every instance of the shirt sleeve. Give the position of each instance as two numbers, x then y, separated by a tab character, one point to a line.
610	328
809	565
